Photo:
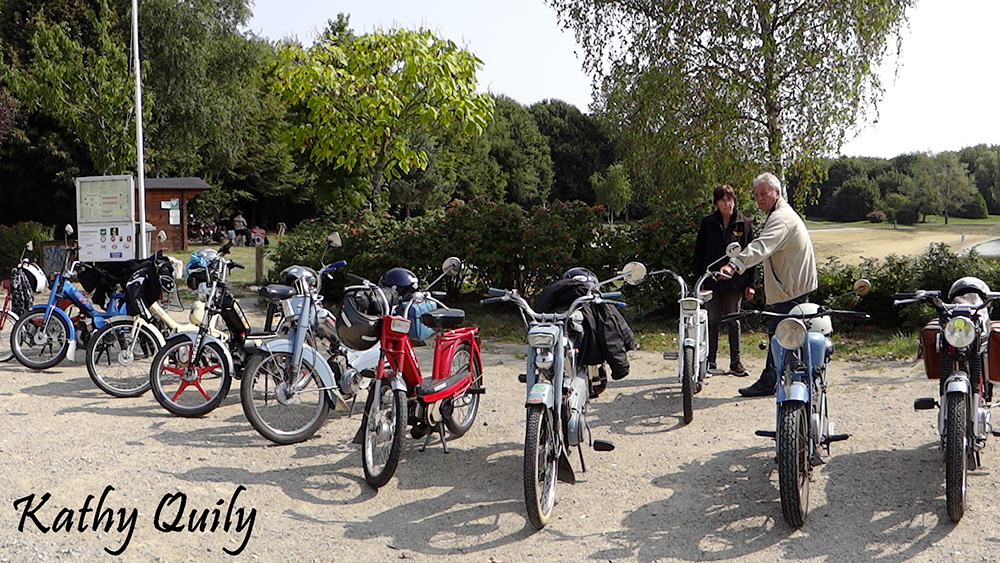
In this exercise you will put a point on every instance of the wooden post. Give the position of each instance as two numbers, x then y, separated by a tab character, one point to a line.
259	262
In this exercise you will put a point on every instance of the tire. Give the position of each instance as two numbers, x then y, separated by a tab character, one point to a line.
793	462
283	411
466	406
688	384
383	431
118	362
209	380
541	465
40	356
7	322
956	454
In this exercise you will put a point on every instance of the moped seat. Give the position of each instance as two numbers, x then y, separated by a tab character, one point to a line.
276	292
443	318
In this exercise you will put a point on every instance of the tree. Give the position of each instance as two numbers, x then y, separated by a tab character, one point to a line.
520	151
8	109
86	88
853	199
712	86
940	184
364	100
579	146
613	190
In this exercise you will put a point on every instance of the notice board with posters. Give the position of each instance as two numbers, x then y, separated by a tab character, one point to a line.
105	212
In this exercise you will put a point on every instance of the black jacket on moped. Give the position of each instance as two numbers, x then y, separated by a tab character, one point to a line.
606	335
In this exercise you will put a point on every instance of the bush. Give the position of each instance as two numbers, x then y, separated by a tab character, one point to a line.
877	216
907	214
13	239
853	199
975	208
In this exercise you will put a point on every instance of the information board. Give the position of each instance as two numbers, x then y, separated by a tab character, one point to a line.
107	242
106	218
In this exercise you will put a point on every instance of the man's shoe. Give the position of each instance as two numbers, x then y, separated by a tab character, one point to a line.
758	389
736	368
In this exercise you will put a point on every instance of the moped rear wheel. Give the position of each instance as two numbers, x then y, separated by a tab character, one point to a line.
383	428
465	407
37	344
284	408
793	462
185	387
118	359
7	321
541	465
956	455
688	384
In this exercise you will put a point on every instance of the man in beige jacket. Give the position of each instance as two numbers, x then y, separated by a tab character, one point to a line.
786	251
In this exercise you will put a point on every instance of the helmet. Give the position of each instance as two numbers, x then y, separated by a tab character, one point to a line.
36	277
305	273
360	320
581	274
403	281
197	267
822	325
967	285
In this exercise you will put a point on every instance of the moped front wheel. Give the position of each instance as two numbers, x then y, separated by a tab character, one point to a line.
541	465
956	455
186	387
38	344
688	384
793	462
283	407
383	426
7	321
465	407
118	359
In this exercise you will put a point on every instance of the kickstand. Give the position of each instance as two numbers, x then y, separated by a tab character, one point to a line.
444	442
583	464
354	401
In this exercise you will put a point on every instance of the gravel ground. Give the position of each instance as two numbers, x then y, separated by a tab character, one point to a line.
706	491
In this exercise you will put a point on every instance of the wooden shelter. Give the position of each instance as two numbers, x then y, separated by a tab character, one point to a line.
167	208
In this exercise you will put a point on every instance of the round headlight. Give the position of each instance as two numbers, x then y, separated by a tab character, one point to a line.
960	332
544	359
790	333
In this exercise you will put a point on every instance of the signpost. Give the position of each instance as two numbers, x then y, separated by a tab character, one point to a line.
106	218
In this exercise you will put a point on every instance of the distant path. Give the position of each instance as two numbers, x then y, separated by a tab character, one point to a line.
850	244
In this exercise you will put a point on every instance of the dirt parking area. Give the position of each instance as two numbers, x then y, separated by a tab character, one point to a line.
851	244
706	491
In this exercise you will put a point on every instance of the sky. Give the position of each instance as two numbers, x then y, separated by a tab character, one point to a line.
941	94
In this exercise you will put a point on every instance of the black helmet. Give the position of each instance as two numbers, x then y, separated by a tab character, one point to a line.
305	273
402	281
360	320
581	274
966	285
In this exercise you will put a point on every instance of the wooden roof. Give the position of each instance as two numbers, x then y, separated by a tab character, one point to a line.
176	184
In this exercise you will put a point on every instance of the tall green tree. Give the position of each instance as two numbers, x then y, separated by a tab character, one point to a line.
941	184
366	99
8	109
613	190
579	145
715	85
520	152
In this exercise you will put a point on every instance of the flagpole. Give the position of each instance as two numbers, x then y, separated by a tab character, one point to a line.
140	168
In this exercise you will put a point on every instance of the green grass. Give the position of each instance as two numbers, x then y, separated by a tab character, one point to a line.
933	223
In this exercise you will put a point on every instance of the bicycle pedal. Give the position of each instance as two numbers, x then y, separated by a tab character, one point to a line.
925	404
670	355
836	438
476	391
603	446
766	433
522	377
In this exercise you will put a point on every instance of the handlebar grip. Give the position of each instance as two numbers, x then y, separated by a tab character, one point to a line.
855	315
737	316
336	265
356	280
495	292
235	264
225	248
439	294
611	295
618	303
905	296
490	300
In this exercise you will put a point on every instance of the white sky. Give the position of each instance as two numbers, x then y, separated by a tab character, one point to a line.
945	96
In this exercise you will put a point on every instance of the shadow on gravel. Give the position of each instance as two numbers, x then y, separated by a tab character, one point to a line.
657	408
882	506
77	387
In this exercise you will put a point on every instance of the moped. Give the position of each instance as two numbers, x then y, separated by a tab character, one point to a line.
692	332
400	396
26	279
802	348
46	334
291	381
961	349
558	392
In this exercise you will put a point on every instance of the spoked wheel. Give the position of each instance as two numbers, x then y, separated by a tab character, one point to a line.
793	462
384	426
186	387
7	321
541	465
467	406
118	359
283	407
688	384
38	344
956	454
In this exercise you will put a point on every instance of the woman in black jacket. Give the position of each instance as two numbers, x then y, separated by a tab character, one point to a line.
719	228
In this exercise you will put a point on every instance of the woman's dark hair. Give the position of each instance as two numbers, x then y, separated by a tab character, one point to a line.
724	191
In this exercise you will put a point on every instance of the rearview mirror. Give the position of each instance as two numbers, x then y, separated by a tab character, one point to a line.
452	266
161	237
69	230
333	240
862	287
30	245
733	249
634	273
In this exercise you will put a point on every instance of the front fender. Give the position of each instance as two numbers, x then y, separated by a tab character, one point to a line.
797	391
541	393
311	355
957	382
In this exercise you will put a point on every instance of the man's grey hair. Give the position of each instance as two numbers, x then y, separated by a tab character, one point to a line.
770	180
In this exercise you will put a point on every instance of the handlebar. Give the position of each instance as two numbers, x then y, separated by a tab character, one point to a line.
823	311
512	295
